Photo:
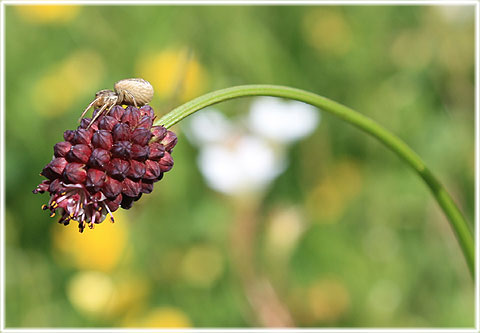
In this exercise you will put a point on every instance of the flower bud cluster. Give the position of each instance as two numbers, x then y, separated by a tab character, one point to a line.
107	164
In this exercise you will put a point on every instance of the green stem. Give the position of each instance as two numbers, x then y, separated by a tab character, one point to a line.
460	226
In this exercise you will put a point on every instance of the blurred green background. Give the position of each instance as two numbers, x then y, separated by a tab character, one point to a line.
366	244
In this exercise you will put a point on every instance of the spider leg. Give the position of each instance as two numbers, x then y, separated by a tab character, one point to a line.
111	106
99	113
133	98
88	107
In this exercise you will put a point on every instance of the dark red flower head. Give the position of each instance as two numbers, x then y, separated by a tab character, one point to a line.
107	165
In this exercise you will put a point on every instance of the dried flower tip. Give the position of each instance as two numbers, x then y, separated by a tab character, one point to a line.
79	153
121	132
158	132
82	136
99	158
118	168
166	162
107	123
169	141
62	148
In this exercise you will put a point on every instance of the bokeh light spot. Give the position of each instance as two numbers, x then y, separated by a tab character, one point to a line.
166	317
328	199
328	299
52	14
90	292
326	30
65	82
174	73
99	249
202	265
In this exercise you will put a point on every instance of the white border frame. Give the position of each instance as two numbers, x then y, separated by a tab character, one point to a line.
3	3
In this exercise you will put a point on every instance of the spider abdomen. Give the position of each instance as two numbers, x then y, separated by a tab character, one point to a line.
131	91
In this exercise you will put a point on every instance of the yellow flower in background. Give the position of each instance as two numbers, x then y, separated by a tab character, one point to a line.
100	249
98	294
165	316
55	14
285	226
328	200
129	296
90	292
413	49
328	300
64	82
326	30
202	265
174	73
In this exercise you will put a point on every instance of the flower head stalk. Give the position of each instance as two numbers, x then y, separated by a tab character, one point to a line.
459	224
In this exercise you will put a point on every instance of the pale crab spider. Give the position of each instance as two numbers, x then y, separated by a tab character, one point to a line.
137	92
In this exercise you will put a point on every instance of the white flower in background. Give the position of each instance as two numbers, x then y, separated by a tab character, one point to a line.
242	165
208	126
234	161
282	121
455	14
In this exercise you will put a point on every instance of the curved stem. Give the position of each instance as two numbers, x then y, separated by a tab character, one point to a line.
460	226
